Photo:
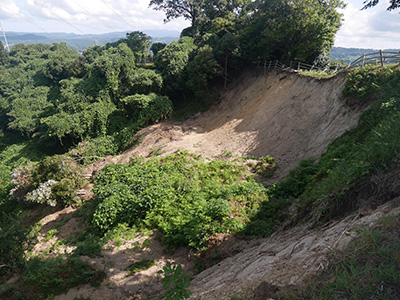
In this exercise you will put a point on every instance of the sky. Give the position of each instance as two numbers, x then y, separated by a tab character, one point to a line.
374	28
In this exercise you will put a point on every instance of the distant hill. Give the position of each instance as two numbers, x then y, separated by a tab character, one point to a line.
81	42
350	54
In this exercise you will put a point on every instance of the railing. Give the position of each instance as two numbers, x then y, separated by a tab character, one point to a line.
381	57
295	66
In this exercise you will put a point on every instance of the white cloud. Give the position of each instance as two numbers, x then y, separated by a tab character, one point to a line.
89	16
10	9
372	28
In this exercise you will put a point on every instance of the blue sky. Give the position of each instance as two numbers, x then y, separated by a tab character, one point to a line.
373	28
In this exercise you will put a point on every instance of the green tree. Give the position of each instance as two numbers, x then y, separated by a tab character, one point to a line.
286	30
156	47
4	59
188	9
139	43
201	69
394	4
172	62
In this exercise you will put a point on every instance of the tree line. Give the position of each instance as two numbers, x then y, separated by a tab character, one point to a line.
54	95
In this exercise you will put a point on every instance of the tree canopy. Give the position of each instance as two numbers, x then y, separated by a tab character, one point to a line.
394	4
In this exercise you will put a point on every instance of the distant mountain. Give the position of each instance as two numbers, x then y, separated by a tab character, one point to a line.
81	42
350	54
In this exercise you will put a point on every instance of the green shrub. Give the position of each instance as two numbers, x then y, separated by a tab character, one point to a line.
187	198
53	180
13	243
177	284
54	276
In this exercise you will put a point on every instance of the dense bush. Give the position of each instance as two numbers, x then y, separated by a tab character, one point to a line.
184	196
53	180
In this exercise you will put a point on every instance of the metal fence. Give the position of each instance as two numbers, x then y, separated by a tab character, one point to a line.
381	58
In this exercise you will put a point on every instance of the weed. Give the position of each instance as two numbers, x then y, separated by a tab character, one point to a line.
91	246
50	234
187	198
176	283
140	265
62	222
53	276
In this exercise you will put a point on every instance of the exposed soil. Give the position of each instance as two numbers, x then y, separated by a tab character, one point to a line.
284	115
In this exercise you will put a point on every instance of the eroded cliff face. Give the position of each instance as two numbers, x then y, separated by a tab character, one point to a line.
286	259
284	115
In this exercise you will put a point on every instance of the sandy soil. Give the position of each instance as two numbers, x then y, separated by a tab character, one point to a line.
285	115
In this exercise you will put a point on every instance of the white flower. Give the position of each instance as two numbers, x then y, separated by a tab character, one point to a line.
42	194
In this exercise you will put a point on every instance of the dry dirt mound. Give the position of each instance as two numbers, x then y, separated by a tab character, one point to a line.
281	114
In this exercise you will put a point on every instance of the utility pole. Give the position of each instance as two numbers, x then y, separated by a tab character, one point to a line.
96	42
5	38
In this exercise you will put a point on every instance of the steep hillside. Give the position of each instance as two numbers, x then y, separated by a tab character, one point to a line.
284	115
204	212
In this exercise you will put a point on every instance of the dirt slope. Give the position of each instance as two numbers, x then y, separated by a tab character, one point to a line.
281	114
284	115
285	259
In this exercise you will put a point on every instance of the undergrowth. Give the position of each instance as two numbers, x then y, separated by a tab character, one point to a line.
187	198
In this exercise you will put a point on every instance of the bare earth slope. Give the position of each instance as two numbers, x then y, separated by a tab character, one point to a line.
284	115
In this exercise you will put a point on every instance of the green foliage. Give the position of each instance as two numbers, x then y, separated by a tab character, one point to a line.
290	30
187	198
202	68
176	282
367	81
157	47
54	276
53	180
265	166
91	246
139	43
360	152
141	265
172	62
53	95
13	243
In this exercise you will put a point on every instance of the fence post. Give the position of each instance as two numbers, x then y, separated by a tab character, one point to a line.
381	55
269	66
298	67
276	63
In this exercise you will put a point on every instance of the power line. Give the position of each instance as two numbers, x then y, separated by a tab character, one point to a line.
49	7
93	14
33	23
115	12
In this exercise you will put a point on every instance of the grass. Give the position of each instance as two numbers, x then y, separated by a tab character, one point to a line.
368	268
323	184
141	265
43	278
